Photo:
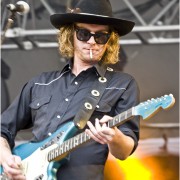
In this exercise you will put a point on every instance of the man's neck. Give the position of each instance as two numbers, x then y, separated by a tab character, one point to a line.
79	66
77	69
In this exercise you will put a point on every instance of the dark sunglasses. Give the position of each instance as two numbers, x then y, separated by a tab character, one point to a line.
85	35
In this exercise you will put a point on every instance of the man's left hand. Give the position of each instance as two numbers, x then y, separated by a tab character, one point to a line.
101	132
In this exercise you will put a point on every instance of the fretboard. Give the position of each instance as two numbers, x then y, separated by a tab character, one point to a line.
121	118
82	138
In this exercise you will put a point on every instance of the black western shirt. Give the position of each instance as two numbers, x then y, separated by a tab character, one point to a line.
53	98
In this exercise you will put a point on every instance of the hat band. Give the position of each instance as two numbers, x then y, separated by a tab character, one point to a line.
76	10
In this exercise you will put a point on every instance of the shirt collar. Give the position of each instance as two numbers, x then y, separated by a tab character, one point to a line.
67	66
100	69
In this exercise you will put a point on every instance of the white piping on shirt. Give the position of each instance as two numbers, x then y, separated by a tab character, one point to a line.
116	88
46	84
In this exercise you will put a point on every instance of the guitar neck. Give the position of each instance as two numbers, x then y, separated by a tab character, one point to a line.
76	141
121	118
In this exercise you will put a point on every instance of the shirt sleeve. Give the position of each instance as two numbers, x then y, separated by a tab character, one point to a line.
129	99
17	116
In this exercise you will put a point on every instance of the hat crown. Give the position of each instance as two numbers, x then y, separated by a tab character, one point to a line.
96	7
92	12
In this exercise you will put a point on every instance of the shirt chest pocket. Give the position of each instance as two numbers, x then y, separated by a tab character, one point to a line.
103	107
39	107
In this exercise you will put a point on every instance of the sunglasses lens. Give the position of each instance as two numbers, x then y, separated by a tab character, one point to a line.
84	35
101	38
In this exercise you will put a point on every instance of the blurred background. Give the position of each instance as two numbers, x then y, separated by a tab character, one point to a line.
150	53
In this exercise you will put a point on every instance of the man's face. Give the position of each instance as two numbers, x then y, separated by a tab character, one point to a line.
90	50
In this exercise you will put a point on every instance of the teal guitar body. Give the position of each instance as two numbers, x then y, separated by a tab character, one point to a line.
41	160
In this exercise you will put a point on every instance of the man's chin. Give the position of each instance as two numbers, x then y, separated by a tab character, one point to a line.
91	60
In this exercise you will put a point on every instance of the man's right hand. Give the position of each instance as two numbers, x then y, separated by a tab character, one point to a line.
11	163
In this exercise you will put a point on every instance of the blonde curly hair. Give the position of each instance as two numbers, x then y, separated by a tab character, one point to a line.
66	48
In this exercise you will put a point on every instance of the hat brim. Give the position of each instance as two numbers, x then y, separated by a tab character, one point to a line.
122	26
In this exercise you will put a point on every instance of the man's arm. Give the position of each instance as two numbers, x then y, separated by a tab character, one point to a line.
121	145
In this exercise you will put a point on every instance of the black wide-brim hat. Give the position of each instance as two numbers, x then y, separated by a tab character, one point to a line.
92	12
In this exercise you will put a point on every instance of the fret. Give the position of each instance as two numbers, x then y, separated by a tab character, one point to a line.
78	139
119	117
87	137
129	113
125	115
70	143
114	121
122	116
61	149
83	136
76	142
56	152
50	155
66	146
110	123
81	140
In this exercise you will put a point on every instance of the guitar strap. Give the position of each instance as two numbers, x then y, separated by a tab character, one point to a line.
92	100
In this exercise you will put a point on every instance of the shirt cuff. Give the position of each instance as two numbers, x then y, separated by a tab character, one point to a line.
131	134
8	136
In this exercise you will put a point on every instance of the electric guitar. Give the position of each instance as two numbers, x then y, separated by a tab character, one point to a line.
41	160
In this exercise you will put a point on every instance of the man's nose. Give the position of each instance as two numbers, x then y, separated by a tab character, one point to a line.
91	40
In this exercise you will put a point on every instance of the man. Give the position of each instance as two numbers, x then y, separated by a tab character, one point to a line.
89	36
